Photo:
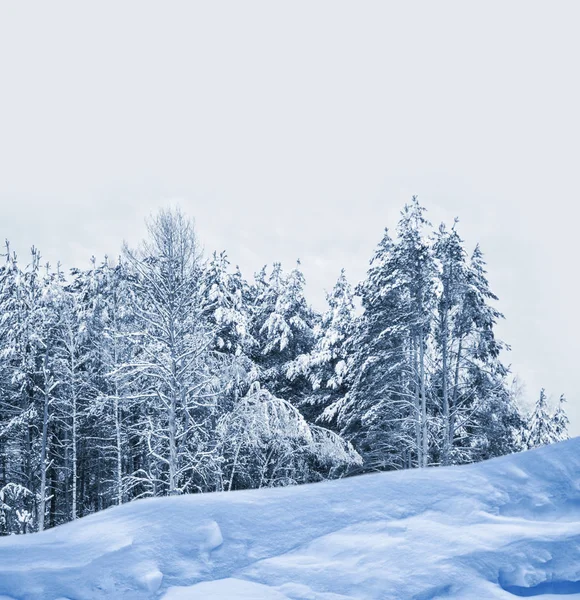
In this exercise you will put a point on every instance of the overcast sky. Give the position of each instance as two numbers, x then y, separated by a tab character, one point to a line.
298	130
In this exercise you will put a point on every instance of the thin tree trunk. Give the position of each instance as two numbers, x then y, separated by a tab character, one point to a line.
446	428
118	438
454	397
417	403
425	448
119	465
231	481
240	444
172	416
53	503
172	446
74	433
43	448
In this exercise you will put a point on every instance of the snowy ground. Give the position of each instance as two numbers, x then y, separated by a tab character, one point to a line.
503	529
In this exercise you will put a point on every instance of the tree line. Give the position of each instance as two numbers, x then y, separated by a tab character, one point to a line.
165	372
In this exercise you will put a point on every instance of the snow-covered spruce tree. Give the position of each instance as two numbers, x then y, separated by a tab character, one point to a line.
35	372
226	304
176	371
114	346
70	349
224	297
546	427
325	367
494	426
541	431
17	409
26	394
425	383
385	412
48	381
271	444
93	304
29	370
478	417
560	421
76	374
450	256
370	414
10	401
283	327
415	265
485	420
17	501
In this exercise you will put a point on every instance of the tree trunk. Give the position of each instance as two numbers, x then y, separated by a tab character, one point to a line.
453	407
172	417
43	448
424	433
445	451
172	446
235	464
119	450
118	425
74	434
417	398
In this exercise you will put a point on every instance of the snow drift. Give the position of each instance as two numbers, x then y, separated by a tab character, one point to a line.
506	528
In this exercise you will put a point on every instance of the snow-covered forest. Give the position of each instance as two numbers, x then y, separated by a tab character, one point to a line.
164	372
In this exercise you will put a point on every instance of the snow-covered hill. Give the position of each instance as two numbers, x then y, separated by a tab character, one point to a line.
505	528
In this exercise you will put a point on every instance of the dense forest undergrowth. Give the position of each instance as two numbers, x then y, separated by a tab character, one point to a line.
165	372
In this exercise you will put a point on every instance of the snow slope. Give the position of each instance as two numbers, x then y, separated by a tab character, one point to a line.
506	528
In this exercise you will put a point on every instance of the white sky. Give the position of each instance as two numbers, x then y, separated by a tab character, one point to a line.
299	129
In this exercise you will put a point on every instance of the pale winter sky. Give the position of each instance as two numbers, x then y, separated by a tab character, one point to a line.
299	129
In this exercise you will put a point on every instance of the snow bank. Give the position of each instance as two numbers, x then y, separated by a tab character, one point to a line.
506	528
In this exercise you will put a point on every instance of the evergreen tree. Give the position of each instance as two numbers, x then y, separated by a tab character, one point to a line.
385	411
450	255
74	387
223	297
480	391
560	421
116	411
370	414
541	427
325	367
225	301
415	265
284	329
17	500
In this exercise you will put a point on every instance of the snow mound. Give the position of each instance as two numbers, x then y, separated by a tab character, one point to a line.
506	528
